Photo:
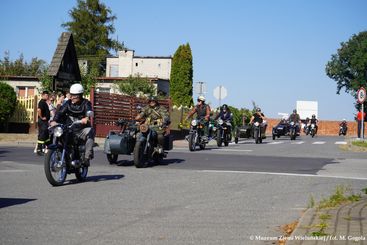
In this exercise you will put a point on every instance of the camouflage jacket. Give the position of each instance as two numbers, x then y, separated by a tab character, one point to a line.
155	116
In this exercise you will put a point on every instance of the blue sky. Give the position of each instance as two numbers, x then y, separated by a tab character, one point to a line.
270	52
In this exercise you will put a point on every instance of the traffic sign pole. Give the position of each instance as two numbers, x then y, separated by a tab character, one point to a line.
361	97
362	126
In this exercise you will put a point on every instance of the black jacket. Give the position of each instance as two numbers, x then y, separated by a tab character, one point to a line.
70	111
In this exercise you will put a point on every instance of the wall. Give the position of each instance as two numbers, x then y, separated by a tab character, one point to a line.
328	128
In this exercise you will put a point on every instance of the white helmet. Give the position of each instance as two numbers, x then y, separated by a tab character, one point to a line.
202	98
76	89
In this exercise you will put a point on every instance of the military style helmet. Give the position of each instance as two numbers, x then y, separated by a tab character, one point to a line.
224	107
153	98
294	111
258	109
313	116
201	98
76	89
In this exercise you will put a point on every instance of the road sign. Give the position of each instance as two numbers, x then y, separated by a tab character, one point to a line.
361	95
220	92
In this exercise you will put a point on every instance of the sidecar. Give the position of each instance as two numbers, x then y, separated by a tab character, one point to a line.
244	131
281	129
120	142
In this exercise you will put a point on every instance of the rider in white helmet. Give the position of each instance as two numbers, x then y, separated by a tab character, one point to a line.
76	108
202	111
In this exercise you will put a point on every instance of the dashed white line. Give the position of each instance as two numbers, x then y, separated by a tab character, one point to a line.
318	142
341	143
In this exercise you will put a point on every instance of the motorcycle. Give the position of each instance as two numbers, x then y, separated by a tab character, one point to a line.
312	130
343	128
66	154
293	128
257	132
120	142
306	128
224	135
147	148
195	137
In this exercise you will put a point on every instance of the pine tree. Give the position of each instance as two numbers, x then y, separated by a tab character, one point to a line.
91	24
182	76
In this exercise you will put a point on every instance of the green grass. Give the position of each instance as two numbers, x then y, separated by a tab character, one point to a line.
360	143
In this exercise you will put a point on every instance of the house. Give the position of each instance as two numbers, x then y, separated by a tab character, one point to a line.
24	86
156	68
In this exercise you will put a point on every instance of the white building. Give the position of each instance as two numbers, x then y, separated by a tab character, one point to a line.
307	109
156	68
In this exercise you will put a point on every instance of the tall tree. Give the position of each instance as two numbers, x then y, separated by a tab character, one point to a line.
182	76
8	101
91	25
20	67
348	67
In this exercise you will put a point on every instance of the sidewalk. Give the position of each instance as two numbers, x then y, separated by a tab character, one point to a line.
346	224
31	139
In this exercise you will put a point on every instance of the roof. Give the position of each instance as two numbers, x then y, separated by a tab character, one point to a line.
65	59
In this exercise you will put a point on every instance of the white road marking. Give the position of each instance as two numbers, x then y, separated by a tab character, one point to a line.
282	174
341	143
275	142
12	171
297	143
226	149
318	142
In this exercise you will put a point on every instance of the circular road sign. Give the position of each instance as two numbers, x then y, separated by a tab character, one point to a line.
361	95
220	92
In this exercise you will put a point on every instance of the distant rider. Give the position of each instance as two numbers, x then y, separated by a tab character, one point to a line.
225	114
76	108
295	118
202	111
314	121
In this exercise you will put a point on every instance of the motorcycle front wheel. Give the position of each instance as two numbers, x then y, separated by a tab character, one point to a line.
55	170
192	141
219	138
140	159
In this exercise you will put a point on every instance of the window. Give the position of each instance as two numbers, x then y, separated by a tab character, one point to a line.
136	64
114	70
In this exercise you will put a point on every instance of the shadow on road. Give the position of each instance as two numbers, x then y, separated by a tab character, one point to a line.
6	202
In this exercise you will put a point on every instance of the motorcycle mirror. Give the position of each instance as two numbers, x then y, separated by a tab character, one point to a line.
90	114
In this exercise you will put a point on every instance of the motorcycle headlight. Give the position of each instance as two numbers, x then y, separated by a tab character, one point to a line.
144	128
292	123
312	125
58	131
194	123
220	121
257	124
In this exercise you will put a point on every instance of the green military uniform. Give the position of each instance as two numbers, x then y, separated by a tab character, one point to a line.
157	117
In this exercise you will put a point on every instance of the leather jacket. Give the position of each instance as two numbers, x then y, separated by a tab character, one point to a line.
70	111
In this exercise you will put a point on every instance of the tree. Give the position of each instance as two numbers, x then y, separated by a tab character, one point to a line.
8	102
135	85
91	24
20	67
182	76
348	67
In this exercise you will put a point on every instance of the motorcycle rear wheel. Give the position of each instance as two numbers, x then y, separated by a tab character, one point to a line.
81	173
140	159
54	171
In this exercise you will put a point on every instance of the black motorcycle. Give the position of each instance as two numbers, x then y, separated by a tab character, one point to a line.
343	128
65	155
293	130
224	135
195	137
147	148
312	130
256	127
120	142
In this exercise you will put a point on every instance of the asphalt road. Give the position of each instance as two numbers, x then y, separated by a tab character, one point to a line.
215	196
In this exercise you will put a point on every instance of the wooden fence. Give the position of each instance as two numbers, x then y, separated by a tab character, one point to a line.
25	110
108	108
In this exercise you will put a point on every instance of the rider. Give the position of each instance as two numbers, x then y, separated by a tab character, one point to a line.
344	125
202	111
258	116
76	108
157	116
225	114
314	121
294	117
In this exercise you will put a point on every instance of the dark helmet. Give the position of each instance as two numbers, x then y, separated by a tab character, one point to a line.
258	109
153	98
224	107
294	111
313	116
